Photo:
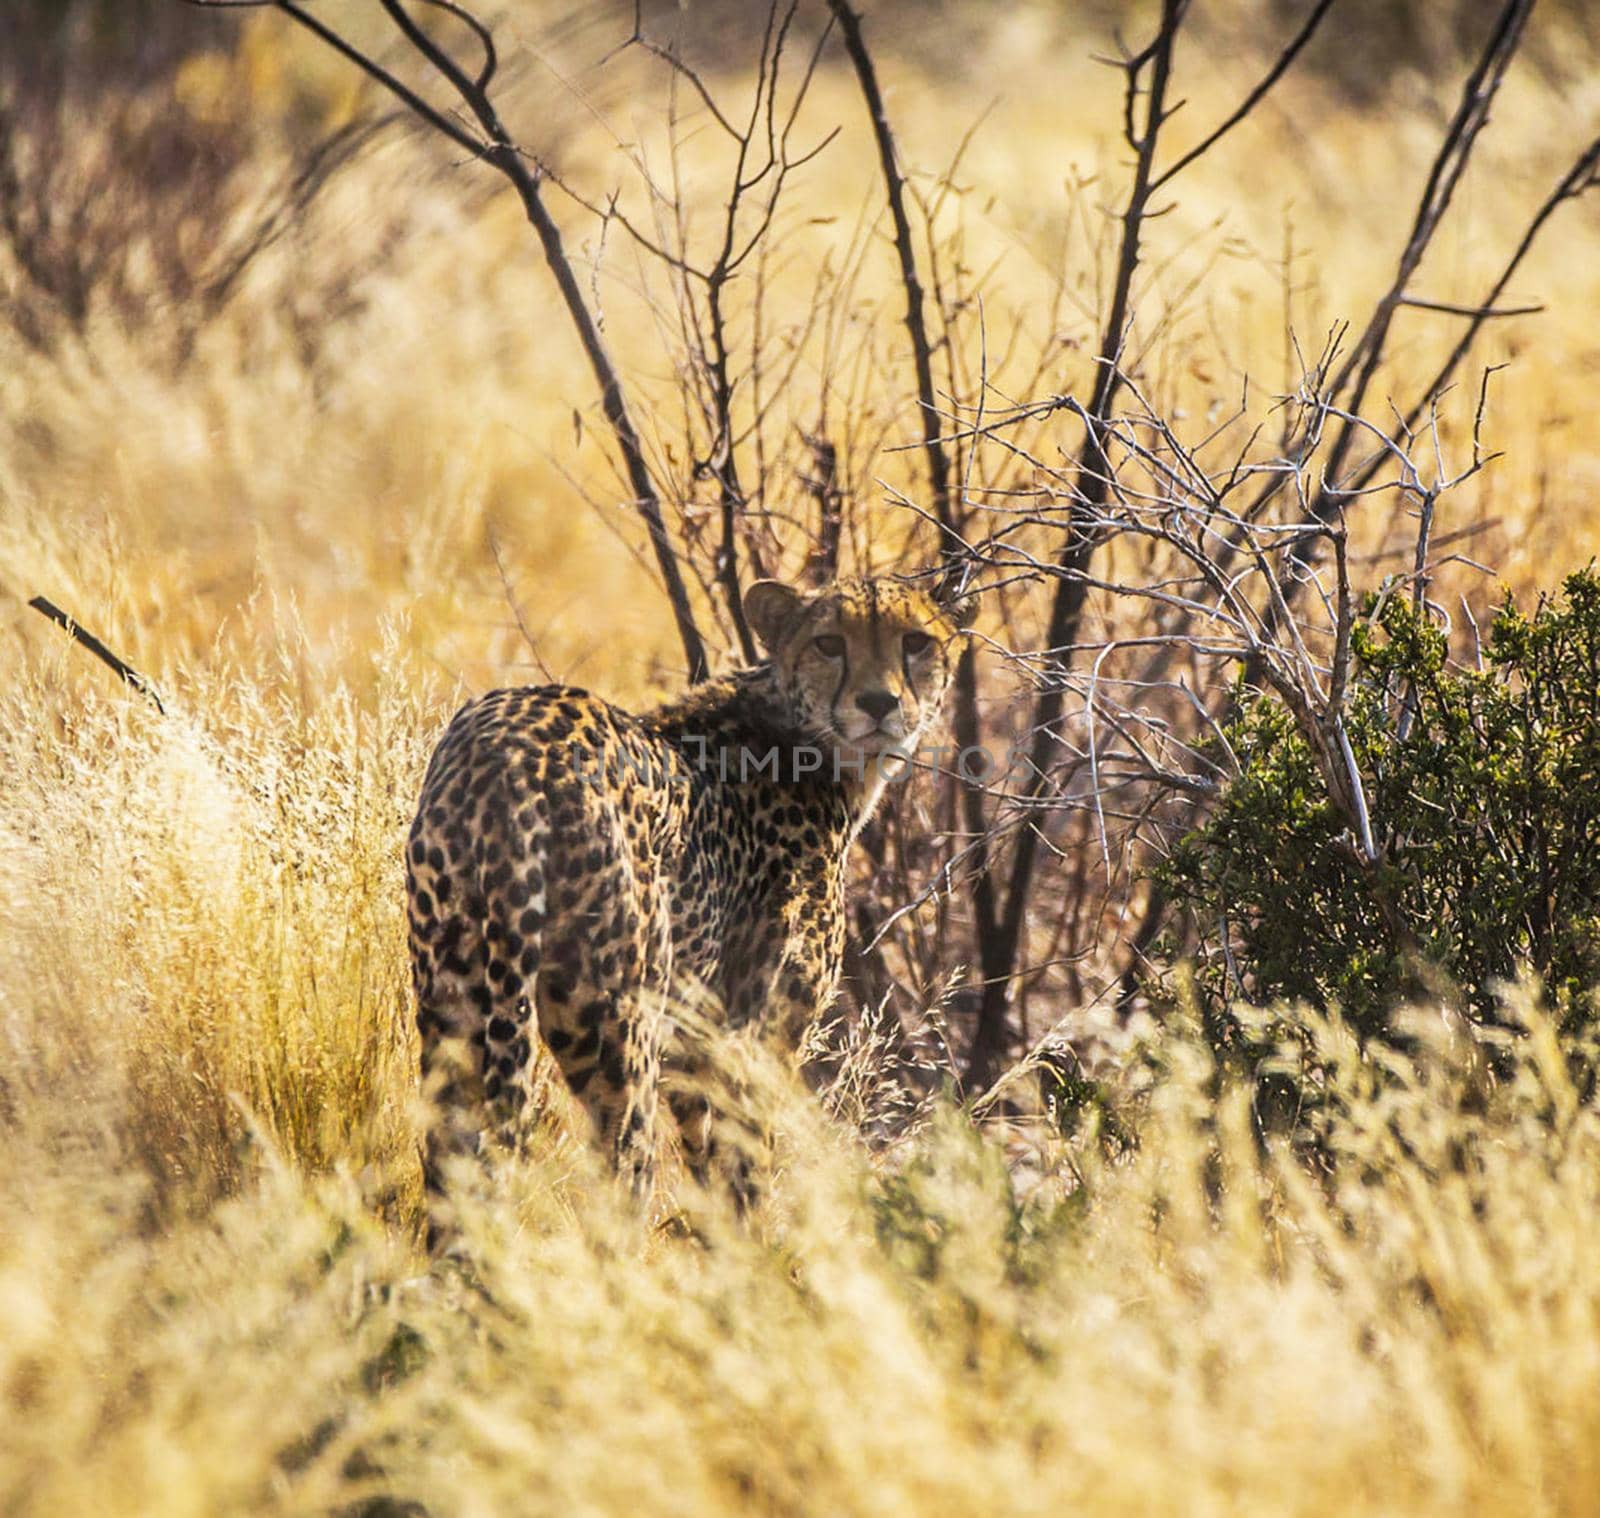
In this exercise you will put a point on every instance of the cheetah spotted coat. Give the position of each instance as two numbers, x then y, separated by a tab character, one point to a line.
572	865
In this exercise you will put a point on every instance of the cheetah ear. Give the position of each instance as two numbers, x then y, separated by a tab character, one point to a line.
771	606
959	605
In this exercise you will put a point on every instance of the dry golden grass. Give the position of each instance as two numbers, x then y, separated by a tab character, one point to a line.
211	1299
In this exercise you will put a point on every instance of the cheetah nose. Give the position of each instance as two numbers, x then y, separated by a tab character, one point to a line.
877	704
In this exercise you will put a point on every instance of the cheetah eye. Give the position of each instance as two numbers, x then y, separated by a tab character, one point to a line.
917	643
830	645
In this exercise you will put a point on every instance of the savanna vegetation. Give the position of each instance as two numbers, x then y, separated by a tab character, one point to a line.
1209	1123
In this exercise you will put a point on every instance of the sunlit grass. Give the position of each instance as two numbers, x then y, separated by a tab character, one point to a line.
211	1297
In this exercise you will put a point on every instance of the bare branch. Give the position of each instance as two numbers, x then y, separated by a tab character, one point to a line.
485	38
81	635
1003	943
911	281
1254	98
1479	313
501	153
1449	164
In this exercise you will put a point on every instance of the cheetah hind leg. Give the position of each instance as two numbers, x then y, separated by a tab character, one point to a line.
473	1003
451	1025
615	1074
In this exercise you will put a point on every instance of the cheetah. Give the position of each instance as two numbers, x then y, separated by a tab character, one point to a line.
573	866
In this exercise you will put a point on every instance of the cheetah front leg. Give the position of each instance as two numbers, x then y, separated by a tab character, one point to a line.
804	976
782	979
717	1132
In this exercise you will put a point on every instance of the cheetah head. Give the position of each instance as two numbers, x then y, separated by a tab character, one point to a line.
861	663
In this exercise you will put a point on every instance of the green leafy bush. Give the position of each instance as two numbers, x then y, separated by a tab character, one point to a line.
1484	791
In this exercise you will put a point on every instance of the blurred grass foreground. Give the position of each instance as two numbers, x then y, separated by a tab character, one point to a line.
290	415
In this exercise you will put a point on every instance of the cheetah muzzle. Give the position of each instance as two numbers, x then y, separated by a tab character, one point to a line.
573	865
